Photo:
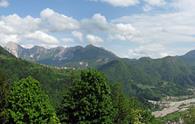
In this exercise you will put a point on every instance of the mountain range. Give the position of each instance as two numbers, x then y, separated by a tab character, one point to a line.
60	56
145	77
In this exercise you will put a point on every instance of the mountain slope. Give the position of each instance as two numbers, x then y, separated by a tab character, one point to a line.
53	81
59	56
4	52
151	78
189	58
146	77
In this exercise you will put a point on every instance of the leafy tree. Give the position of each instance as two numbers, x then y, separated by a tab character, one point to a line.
27	103
189	116
88	100
121	105
4	90
128	110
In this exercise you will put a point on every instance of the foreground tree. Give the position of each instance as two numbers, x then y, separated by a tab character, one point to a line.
88	100
4	90
121	105
128	110
27	103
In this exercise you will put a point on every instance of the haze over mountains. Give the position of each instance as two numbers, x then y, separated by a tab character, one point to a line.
145	77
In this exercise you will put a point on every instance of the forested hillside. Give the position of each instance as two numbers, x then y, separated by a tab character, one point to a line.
151	78
33	93
52	80
145	77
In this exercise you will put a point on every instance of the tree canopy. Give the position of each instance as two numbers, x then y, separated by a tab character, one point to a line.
88	100
27	103
129	110
4	91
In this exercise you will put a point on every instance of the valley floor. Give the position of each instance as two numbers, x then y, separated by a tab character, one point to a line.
171	105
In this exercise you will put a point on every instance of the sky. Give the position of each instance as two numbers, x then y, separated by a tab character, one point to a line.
128	28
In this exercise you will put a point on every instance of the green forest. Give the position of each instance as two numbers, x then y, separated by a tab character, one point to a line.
32	93
89	99
97	61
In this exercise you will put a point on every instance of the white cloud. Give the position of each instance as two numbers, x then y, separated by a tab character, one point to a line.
148	34
92	39
119	3
4	3
127	3
99	18
152	4
155	2
39	30
150	50
16	24
123	32
163	28
170	30
8	38
184	5
13	27
114	31
42	37
5	28
147	5
78	35
98	23
54	21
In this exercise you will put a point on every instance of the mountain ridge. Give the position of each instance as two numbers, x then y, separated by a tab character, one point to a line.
63	56
145	77
8	47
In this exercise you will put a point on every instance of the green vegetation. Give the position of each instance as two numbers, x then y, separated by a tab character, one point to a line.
189	116
4	91
174	117
88	97
27	103
145	78
129	110
151	78
52	80
88	100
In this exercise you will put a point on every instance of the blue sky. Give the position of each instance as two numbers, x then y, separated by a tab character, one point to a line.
129	28
78	9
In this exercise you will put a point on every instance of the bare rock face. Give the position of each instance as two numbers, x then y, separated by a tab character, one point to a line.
60	56
13	48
